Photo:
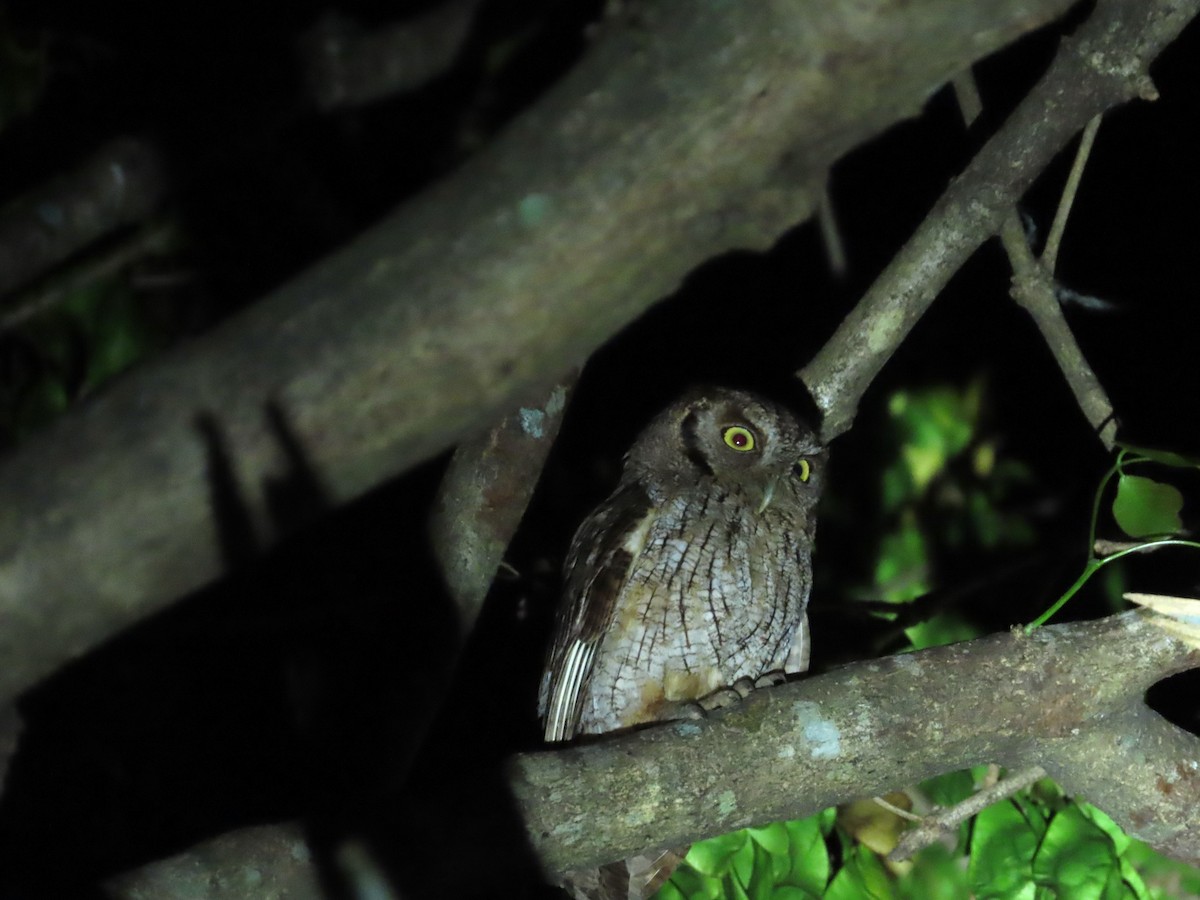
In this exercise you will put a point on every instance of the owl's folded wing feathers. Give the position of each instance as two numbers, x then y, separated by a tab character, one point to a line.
610	539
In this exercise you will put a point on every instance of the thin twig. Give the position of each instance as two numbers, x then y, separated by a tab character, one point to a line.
831	235
966	92
933	827
1033	287
1054	239
897	811
153	237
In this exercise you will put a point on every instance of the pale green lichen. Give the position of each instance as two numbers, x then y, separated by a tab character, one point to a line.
533	422
557	402
822	735
726	803
533	209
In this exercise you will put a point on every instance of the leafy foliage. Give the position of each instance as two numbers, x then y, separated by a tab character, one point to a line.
944	489
94	334
1143	508
1037	845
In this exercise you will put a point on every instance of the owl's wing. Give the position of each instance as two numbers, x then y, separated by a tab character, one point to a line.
797	659
597	568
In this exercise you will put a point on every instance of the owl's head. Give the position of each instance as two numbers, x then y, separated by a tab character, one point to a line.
734	437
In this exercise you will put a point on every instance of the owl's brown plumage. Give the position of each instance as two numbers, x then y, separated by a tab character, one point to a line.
695	573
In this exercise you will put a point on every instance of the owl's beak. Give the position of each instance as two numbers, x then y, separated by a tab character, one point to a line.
768	493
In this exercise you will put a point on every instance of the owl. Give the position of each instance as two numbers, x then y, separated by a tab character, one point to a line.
693	577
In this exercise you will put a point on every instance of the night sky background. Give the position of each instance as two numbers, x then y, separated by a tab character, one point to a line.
280	692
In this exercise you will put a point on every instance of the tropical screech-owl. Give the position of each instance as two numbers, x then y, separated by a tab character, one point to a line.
694	575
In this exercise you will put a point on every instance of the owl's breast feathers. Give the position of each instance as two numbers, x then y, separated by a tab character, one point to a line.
663	605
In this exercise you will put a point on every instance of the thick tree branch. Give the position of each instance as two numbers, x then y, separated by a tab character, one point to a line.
271	862
1068	697
346	65
120	184
1103	65
668	144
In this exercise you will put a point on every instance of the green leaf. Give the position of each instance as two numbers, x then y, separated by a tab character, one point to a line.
1003	843
1146	507
1101	820
937	874
773	838
808	854
761	883
743	862
715	856
1166	457
1158	871
1078	859
949	789
902	569
1133	881
826	820
863	876
946	628
688	884
789	892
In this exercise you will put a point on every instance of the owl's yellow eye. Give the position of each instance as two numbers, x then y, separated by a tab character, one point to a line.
738	438
803	469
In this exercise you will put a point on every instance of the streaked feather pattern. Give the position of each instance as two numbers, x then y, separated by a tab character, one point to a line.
692	576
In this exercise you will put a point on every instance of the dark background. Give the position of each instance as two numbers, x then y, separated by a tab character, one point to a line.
283	691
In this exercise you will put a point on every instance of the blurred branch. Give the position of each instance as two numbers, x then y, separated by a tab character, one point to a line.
1069	698
666	145
1103	65
483	496
271	862
120	184
346	65
10	733
153	237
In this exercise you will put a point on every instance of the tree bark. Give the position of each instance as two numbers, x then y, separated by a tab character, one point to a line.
1068	698
688	130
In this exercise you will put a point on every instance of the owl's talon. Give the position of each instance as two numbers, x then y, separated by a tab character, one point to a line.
681	709
721	698
770	679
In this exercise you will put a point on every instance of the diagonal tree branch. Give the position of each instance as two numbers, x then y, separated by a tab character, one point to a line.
1103	65
667	145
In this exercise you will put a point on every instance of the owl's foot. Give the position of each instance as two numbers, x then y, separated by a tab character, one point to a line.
719	699
674	710
770	679
740	690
